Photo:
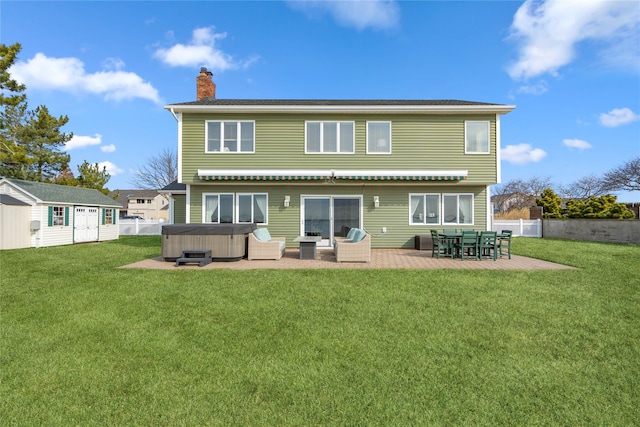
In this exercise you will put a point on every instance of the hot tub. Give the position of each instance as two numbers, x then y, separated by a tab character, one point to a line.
227	242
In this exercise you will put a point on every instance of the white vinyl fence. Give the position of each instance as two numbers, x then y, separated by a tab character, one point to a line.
520	227
140	227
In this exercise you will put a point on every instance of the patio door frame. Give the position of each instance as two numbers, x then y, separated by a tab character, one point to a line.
331	199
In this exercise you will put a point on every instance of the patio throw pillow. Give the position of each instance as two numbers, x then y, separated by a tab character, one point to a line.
351	233
358	235
262	234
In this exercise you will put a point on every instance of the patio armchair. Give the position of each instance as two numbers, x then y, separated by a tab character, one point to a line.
467	247
504	243
357	249
441	245
263	246
487	245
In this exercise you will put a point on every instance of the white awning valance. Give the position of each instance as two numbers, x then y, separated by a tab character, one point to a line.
322	174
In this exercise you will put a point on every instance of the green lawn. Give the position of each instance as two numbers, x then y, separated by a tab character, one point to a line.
85	343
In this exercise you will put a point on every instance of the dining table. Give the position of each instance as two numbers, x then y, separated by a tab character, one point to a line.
455	237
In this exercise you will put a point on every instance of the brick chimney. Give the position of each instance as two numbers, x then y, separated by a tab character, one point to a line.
205	87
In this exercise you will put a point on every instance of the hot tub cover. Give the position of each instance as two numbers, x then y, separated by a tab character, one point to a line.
207	229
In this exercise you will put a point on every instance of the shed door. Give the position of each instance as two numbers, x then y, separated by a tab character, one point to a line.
85	224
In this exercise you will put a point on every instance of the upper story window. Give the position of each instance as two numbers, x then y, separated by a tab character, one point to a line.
329	137
230	137
378	137
476	137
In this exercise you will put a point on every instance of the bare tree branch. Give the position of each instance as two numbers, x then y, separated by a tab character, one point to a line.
157	172
589	186
624	178
519	194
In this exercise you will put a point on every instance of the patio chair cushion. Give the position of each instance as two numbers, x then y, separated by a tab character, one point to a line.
358	235
351	233
262	234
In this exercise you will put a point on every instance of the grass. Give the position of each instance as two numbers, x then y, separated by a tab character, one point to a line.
85	343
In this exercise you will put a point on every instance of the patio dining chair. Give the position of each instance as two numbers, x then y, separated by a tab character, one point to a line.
467	247
504	243
487	245
441	246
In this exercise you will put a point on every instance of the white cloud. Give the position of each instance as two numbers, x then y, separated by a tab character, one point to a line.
201	51
79	141
69	75
536	89
522	153
112	169
108	148
549	31
576	143
618	117
361	14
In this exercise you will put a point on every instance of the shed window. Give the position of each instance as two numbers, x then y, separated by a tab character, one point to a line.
58	215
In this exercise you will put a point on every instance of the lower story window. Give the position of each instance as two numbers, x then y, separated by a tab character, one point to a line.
425	208
252	208
457	208
228	209
431	209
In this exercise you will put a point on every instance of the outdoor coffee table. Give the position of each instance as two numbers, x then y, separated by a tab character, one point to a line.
307	246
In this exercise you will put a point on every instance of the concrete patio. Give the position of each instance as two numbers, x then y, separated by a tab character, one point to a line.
380	258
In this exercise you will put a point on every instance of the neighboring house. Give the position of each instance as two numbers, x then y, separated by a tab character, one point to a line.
148	204
396	168
177	202
35	214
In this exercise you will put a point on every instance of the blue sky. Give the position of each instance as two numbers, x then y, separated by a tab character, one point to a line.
572	68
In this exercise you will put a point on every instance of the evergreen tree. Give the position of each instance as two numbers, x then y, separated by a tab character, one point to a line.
44	141
31	142
550	203
90	176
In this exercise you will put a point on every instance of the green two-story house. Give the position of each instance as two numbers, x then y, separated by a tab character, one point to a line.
396	168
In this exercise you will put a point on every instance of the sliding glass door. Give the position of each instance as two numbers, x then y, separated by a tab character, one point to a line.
330	216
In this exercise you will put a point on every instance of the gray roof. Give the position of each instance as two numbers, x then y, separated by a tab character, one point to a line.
6	199
335	102
174	186
338	106
123	196
52	193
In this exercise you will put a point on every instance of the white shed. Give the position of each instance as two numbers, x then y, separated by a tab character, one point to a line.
35	214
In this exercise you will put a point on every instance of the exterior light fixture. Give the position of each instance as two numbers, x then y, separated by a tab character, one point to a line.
376	201
287	200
